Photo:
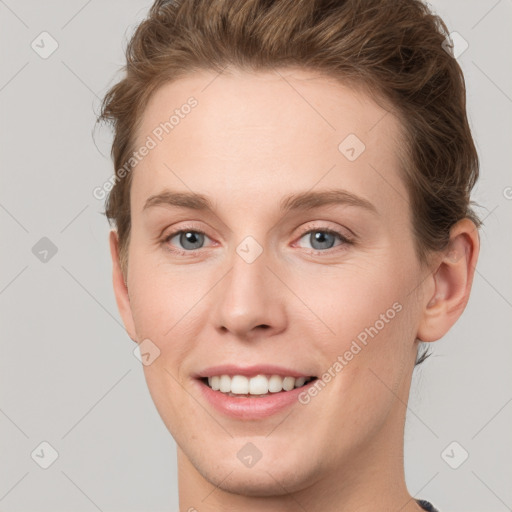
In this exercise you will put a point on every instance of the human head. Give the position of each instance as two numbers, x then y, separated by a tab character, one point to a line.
390	53
400	61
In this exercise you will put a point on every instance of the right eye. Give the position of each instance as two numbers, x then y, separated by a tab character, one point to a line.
189	239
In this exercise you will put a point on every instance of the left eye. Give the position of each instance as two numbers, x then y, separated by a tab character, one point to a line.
323	238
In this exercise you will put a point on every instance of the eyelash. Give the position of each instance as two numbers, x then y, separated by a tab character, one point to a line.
345	240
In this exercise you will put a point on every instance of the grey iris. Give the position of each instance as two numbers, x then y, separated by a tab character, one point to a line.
192	237
325	239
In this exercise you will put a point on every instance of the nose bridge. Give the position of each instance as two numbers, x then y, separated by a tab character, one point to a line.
248	296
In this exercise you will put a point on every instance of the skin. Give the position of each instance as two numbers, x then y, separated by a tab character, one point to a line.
251	141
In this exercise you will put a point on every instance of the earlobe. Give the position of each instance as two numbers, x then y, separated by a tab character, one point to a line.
452	279
120	287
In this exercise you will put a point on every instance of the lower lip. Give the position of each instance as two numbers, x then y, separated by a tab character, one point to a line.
246	408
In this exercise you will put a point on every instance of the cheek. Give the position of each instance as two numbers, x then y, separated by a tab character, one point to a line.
347	300
367	331
163	308
160	297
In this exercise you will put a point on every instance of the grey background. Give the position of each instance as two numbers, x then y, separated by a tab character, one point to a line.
67	369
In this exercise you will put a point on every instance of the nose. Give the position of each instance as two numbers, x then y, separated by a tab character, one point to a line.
250	300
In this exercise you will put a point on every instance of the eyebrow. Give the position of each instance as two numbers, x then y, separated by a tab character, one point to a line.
301	201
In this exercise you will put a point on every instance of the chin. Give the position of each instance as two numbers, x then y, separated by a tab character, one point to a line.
270	476
259	482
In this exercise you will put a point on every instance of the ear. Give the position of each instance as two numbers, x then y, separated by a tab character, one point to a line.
120	287
452	279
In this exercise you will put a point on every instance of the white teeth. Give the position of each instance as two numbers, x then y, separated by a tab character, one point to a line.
225	383
300	382
239	384
258	385
214	382
288	383
275	384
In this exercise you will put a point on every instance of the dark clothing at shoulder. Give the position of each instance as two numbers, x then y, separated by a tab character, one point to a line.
426	505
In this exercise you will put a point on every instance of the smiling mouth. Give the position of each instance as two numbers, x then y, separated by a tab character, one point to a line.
261	386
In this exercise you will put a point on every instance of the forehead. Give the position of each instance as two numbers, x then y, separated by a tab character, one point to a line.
251	133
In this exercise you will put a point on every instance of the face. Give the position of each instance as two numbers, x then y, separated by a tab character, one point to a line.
303	263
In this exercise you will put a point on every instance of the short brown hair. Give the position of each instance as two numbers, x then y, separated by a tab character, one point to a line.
393	49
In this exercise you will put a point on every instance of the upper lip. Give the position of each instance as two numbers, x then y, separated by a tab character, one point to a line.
260	369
